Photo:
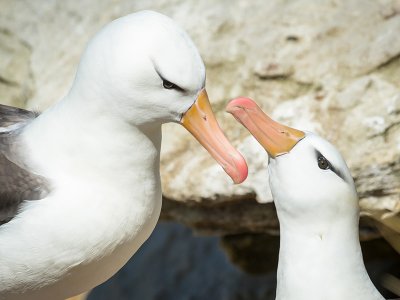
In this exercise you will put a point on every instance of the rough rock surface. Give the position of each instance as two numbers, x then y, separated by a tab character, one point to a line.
16	81
332	67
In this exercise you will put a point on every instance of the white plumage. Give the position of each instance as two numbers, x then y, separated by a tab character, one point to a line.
99	148
316	200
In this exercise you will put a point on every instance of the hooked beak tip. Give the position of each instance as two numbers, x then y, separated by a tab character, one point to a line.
200	121
240	103
277	139
239	170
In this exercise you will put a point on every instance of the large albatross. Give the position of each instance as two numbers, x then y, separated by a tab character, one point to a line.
317	205
79	184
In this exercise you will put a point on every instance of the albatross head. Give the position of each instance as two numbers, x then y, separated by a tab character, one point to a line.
145	69
309	179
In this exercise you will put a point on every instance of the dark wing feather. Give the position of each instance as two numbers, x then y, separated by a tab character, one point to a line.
10	115
17	182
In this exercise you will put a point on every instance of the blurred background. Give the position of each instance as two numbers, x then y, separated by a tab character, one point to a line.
332	67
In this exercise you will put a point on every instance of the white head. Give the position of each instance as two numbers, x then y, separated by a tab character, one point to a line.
145	70
312	181
309	179
139	61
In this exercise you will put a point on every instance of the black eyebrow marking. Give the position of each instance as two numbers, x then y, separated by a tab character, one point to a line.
177	87
331	166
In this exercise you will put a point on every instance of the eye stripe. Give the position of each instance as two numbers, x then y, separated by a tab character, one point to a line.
174	86
171	86
332	167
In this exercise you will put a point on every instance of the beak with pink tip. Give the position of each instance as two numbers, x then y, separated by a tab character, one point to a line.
200	121
277	139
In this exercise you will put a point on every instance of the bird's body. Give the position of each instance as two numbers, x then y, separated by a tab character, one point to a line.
317	205
108	193
322	264
88	192
320	255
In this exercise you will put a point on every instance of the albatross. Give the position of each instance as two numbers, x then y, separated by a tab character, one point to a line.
79	184
317	205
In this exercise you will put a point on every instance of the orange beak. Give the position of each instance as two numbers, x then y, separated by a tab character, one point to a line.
277	139
200	121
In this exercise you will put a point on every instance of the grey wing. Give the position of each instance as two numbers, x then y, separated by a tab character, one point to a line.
13	117
17	182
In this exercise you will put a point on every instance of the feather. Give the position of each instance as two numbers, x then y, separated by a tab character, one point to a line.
17	181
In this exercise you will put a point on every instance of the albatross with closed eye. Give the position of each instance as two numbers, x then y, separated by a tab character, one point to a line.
79	184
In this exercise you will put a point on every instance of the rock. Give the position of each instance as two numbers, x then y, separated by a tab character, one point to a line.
16	81
332	67
232	217
272	70
390	9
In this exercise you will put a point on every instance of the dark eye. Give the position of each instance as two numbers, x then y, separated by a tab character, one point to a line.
323	163
171	86
168	85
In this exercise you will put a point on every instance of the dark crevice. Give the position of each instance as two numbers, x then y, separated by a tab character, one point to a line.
388	62
8	82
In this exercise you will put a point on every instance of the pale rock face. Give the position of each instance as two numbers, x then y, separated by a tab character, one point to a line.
16	82
331	67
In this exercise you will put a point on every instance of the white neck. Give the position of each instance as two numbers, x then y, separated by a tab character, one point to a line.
323	263
89	135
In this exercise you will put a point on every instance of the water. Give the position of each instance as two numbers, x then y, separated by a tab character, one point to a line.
176	265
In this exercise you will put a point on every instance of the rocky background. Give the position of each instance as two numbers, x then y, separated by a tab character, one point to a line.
332	67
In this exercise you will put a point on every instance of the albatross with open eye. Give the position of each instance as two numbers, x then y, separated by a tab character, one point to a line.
317	205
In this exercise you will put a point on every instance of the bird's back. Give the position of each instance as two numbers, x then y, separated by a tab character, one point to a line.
17	182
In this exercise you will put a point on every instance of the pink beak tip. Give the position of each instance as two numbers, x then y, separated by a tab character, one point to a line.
240	102
242	171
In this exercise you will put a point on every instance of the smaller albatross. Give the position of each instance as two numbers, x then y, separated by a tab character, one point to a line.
316	200
79	184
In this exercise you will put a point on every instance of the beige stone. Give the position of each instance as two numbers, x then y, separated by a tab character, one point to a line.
16	82
332	67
